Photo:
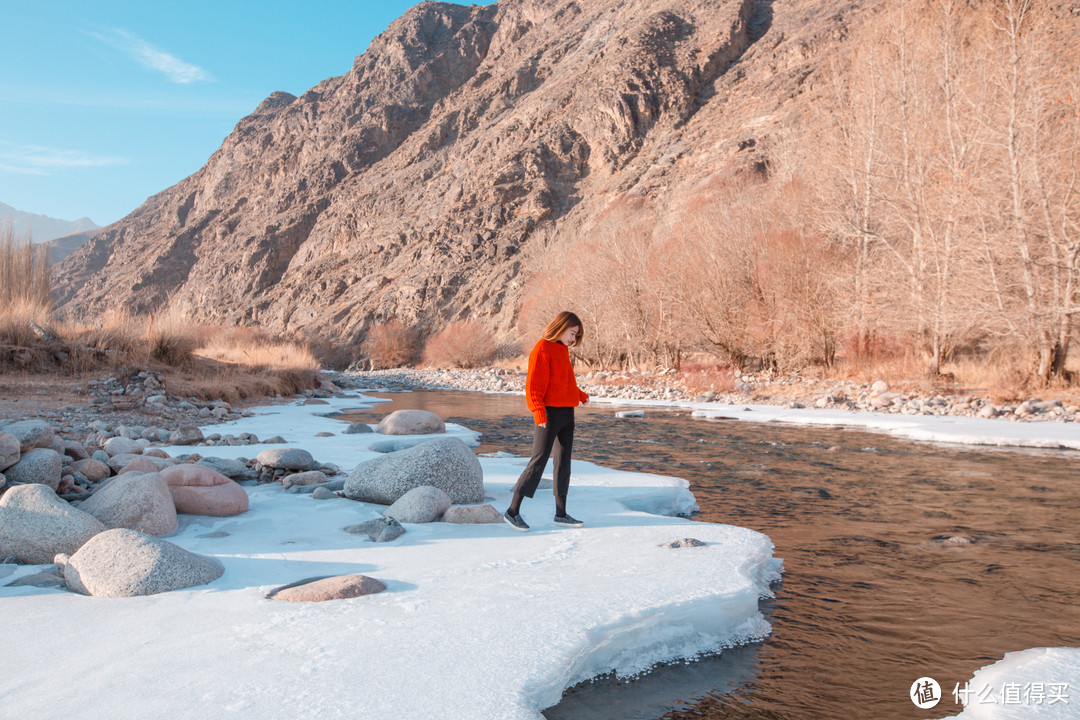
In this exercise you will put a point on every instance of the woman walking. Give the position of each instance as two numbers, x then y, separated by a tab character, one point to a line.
551	393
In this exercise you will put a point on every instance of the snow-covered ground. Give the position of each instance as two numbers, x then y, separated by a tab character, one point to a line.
929	428
479	621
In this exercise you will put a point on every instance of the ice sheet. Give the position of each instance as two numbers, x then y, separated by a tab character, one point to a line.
479	621
1039	683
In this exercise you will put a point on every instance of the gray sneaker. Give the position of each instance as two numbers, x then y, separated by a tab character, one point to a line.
515	522
568	521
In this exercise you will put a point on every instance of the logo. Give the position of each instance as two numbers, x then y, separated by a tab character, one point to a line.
925	693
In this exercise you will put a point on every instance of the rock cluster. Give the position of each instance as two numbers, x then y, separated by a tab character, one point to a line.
445	463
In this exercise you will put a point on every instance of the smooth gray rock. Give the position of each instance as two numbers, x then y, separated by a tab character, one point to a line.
276	440
34	433
10	450
445	463
227	467
76	451
357	428
420	505
472	514
411	422
382	529
100	456
322	493
121	446
186	435
286	459
35	525
3	481
126	563
134	501
39	465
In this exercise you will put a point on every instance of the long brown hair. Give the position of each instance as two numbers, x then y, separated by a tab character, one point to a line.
563	322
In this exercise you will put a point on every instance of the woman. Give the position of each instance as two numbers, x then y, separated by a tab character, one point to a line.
551	392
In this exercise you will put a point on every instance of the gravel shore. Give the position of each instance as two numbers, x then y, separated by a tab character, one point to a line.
749	389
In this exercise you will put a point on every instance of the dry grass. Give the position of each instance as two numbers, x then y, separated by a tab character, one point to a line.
462	344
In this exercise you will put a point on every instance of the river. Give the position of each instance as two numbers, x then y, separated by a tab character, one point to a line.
901	559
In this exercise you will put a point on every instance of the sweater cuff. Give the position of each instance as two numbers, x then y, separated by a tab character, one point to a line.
540	416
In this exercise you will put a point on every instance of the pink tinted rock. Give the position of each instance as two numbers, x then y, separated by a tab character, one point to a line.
139	465
331	588
312	477
156	452
94	470
198	490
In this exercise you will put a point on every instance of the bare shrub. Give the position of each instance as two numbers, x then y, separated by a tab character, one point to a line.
256	348
390	345
707	375
461	344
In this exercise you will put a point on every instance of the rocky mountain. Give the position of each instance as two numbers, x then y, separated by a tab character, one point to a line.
423	183
41	228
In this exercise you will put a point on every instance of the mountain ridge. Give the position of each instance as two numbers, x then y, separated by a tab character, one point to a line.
425	182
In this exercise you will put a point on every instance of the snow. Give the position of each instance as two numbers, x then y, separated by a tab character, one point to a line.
478	621
928	428
1036	683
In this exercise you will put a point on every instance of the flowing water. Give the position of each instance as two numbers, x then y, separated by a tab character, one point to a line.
901	559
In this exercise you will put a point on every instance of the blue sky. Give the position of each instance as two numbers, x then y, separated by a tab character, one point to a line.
104	103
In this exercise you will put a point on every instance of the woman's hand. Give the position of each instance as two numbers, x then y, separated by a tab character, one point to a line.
543	425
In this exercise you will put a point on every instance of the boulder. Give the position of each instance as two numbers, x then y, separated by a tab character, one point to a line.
35	525
136	502
31	434
229	468
286	459
121	446
445	463
312	477
126	563
75	451
156	452
198	490
186	435
38	465
379	530
472	514
10	450
320	493
411	422
879	387
139	465
276	440
423	504
94	470
119	462
357	427
327	588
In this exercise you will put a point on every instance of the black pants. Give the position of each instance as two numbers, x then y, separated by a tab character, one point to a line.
559	434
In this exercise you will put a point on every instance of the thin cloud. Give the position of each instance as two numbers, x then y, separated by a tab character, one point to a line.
40	160
151	57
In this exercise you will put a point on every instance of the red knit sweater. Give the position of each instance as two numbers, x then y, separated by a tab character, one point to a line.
551	382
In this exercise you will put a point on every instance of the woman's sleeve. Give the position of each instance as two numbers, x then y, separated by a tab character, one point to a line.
536	383
583	396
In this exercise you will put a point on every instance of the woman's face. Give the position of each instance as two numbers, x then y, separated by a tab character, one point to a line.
569	335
